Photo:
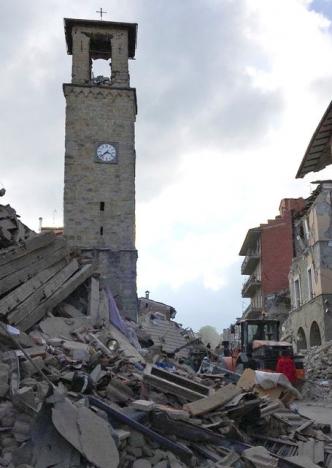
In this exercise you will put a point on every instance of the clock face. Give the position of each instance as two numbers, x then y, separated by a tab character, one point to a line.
106	152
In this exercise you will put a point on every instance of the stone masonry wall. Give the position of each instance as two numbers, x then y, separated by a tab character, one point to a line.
99	198
88	183
310	313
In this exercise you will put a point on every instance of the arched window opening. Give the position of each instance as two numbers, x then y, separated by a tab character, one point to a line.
301	342
315	337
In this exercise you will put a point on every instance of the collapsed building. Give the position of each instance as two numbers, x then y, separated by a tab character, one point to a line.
148	306
79	388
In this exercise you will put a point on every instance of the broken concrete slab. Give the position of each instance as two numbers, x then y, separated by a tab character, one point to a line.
174	384
143	405
94	300
77	351
142	463
50	449
60	327
86	432
219	398
260	457
31	367
69	311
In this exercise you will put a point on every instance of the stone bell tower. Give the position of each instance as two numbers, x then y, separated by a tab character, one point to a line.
99	193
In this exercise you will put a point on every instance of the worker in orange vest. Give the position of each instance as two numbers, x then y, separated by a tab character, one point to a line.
286	366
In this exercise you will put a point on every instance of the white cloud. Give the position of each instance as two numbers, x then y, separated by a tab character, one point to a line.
229	94
222	191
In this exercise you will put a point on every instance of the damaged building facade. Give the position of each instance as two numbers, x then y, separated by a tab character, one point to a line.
310	275
310	278
268	252
147	306
99	192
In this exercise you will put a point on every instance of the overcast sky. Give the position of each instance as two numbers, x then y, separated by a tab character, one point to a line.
229	94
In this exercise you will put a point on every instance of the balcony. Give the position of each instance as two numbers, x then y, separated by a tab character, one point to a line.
250	262
252	312
251	286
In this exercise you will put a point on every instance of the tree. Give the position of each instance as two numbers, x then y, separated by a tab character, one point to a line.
210	335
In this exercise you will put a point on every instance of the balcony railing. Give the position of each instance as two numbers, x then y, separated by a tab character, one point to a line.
250	262
252	312
250	286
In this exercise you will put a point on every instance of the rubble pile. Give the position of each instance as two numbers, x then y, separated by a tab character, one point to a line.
12	230
80	388
318	370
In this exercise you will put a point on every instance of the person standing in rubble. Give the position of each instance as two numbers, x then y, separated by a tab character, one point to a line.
227	351
286	366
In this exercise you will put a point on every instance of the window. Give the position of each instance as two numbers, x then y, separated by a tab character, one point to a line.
310	283
297	293
101	232
102	206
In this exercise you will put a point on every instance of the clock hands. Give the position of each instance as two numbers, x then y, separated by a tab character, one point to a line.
106	153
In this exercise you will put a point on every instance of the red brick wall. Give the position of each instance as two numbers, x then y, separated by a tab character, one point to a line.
277	247
289	204
276	254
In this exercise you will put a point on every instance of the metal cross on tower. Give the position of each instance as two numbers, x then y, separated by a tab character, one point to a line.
101	12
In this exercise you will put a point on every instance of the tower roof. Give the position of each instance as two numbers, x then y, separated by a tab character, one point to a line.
130	27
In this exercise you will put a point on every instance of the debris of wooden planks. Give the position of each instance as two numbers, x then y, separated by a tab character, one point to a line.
174	384
26	247
26	256
33	264
43	292
312	449
12	230
36	273
219	398
59	295
20	294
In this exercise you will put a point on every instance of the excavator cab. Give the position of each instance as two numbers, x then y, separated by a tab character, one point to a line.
258	330
260	343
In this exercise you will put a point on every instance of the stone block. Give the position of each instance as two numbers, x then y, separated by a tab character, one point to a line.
143	405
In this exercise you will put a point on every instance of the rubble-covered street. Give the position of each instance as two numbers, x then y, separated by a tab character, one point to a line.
82	387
